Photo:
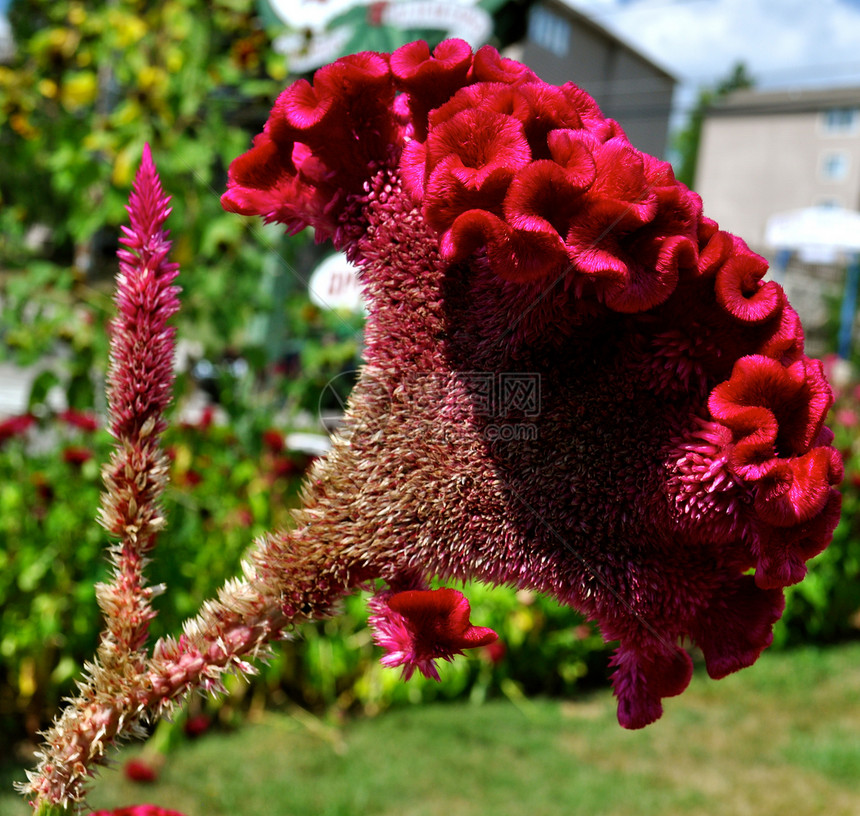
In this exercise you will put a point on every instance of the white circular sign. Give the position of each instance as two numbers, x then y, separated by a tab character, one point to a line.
334	285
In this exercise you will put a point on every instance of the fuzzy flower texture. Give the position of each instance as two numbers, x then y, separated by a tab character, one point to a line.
575	382
112	697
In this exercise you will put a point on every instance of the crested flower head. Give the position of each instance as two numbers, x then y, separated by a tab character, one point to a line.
575	382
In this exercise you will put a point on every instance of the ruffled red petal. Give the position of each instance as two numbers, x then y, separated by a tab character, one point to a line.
776	414
440	620
737	625
419	626
321	143
429	81
301	109
490	66
741	293
642	678
545	196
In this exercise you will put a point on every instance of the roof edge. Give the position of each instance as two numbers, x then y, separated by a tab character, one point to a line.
588	22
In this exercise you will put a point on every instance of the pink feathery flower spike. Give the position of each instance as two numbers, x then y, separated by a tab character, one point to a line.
140	383
139	389
575	382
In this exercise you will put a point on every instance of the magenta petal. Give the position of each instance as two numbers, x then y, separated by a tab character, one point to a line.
417	627
641	680
740	292
737	626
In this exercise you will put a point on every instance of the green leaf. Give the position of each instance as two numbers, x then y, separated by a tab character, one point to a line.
42	384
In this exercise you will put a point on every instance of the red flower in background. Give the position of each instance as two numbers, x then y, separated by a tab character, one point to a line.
84	420
139	770
666	435
197	725
16	426
76	454
273	439
190	477
495	652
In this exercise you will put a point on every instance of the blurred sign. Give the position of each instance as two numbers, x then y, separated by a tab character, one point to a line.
334	285
320	31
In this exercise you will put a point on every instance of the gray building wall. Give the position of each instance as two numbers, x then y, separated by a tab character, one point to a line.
764	153
562	46
767	153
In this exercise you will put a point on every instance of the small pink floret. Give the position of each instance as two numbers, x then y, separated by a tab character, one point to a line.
417	627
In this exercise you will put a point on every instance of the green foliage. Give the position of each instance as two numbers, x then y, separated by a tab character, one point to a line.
95	81
49	560
92	83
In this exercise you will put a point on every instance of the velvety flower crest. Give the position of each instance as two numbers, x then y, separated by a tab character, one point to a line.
575	382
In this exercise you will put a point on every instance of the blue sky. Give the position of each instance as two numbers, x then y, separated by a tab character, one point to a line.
784	43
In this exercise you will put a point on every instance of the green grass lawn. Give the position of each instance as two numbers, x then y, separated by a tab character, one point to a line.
780	738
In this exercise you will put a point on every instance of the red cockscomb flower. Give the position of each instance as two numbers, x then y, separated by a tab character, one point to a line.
495	652
76	454
197	725
575	382
273	439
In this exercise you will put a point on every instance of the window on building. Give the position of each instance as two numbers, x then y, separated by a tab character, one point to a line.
549	31
840	121
834	165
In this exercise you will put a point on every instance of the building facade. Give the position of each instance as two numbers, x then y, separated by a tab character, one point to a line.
562	45
763	153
